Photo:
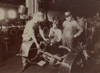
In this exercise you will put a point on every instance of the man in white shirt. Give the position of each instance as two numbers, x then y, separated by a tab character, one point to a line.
55	33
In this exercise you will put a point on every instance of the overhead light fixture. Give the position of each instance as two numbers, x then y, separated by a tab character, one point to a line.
12	14
2	14
53	1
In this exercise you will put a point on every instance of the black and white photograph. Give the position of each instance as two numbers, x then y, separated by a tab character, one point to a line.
49	36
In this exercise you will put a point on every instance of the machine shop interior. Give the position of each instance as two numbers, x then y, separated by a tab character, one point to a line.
49	36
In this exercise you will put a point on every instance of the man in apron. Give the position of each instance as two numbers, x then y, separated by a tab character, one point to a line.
32	29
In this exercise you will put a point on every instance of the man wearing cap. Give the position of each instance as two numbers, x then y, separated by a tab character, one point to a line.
32	29
71	30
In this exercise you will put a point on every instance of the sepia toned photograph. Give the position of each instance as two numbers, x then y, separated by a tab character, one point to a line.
49	36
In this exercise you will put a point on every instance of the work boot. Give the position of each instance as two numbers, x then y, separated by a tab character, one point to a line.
26	64
24	68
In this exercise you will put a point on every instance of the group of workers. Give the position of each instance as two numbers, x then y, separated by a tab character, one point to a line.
70	30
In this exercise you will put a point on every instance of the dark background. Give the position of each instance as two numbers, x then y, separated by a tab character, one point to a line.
14	2
77	7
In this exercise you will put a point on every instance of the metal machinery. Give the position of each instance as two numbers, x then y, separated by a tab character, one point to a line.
10	33
60	57
11	29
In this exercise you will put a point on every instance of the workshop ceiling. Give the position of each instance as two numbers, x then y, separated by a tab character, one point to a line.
16	2
81	7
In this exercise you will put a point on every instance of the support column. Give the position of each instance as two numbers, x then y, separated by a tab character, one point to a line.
32	6
36	6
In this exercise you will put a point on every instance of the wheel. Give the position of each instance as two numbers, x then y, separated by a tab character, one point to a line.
73	63
78	64
19	33
12	31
